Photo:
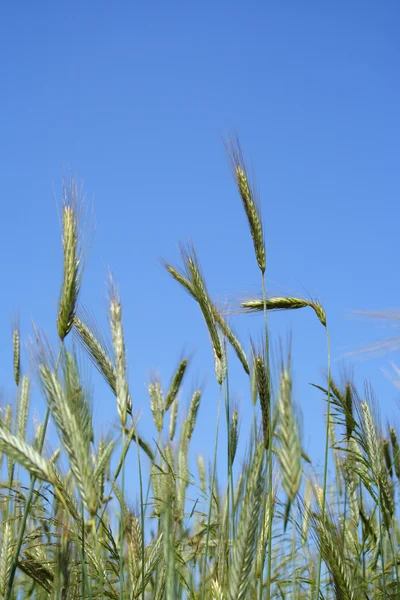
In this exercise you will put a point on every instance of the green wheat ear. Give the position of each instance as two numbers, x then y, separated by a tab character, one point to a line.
16	350
72	260
249	198
121	385
285	303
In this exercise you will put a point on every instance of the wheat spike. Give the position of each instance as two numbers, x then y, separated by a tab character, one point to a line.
16	352
173	418
194	283
176	383
119	352
220	364
234	435
157	404
19	451
284	303
192	414
289	454
264	394
23	408
251	204
74	439
72	260
6	556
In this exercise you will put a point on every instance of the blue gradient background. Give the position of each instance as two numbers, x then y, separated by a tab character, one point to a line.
133	98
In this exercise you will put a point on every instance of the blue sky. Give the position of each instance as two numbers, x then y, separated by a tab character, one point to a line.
133	97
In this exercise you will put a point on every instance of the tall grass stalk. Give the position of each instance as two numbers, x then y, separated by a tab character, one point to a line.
326	457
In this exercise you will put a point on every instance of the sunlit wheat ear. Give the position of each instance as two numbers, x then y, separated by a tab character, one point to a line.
210	312
26	455
216	590
289	453
221	364
16	335
96	348
194	283
180	278
6	555
72	260
23	408
193	268
117	333
156	404
152	560
284	303
371	442
249	198
79	398
92	341
68	419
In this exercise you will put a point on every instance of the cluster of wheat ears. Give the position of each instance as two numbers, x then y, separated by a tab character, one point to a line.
275	529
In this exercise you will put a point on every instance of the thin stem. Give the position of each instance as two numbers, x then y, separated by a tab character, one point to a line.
269	450
328	417
122	525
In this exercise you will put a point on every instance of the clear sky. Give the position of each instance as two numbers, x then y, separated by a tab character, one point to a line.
133	97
